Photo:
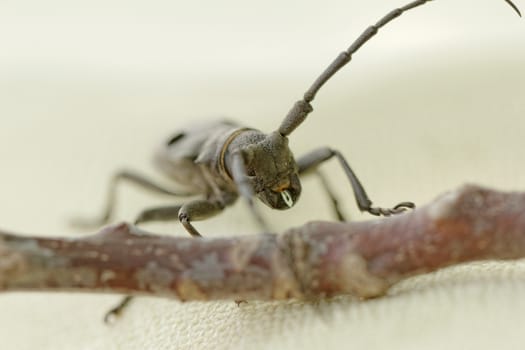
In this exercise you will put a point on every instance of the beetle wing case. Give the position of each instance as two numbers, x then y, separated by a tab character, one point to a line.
178	158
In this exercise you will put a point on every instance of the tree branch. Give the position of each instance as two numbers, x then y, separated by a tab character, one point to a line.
317	259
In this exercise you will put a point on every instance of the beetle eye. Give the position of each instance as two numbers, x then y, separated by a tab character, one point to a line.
175	138
287	198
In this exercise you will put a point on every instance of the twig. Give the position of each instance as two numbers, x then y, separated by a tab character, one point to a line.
317	259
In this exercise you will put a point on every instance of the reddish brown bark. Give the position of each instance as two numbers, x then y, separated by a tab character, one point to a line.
317	259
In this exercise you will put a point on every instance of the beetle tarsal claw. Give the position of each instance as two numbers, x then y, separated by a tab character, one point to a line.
287	198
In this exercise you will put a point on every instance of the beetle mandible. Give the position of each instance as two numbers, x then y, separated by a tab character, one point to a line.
221	161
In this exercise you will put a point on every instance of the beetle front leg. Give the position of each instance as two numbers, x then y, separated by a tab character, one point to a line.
192	211
245	188
198	210
313	159
164	213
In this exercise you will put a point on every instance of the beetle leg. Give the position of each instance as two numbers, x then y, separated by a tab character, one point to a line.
310	161
133	178
308	164
333	199
198	210
116	311
165	213
245	188
331	196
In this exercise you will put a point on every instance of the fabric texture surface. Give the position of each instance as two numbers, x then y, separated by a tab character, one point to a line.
413	122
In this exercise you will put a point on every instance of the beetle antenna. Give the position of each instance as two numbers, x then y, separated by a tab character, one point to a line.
303	107
511	4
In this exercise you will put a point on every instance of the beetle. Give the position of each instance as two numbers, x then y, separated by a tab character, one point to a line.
223	160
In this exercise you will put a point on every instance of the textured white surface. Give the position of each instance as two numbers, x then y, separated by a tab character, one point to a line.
434	101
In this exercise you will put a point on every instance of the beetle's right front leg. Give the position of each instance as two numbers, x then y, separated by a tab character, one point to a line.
313	159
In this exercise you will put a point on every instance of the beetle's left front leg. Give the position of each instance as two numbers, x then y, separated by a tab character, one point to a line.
244	186
195	210
313	159
198	210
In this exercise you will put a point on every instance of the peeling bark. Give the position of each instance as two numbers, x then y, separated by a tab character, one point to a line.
317	259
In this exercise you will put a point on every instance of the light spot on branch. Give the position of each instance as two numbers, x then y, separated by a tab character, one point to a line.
91	254
207	269
154	277
443	206
187	290
356	277
107	275
11	264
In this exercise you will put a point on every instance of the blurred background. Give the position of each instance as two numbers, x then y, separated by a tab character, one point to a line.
435	100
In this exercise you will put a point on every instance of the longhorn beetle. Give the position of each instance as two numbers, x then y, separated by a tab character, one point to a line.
223	160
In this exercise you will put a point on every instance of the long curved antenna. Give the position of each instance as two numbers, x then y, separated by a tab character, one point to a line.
514	7
303	107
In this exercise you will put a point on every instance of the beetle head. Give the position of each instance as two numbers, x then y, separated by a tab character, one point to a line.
271	167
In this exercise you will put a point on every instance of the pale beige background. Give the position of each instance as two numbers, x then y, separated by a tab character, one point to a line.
436	100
